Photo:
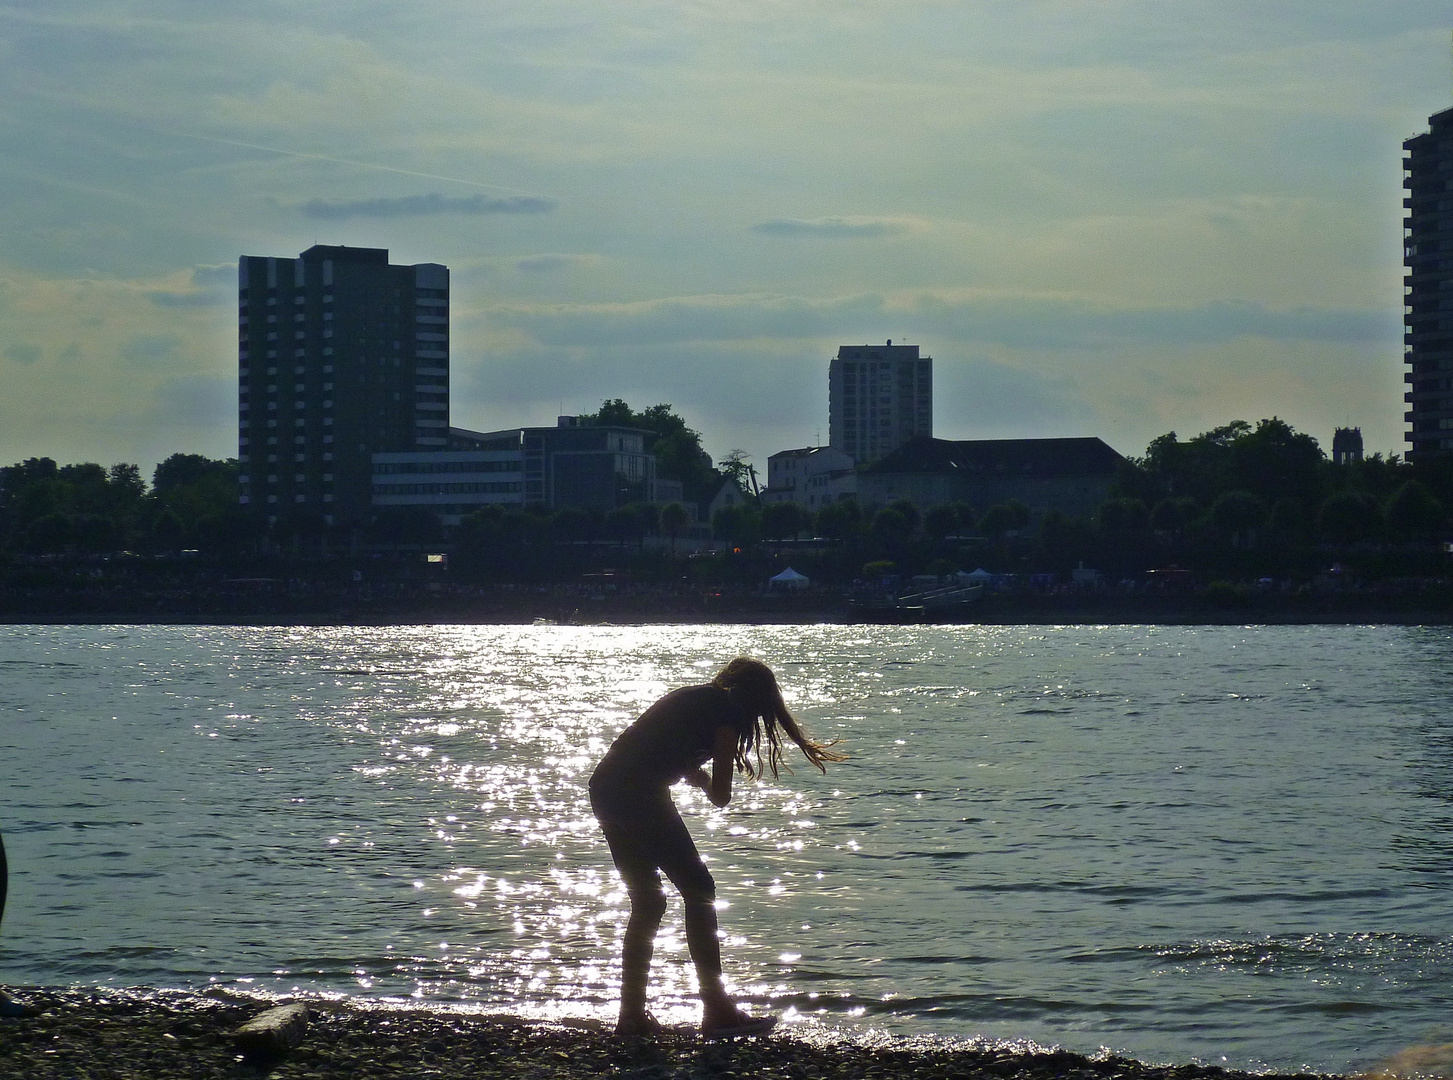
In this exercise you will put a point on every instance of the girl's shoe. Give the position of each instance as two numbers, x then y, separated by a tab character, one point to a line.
645	1027
741	1025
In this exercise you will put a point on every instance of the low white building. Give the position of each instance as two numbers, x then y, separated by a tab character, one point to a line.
811	477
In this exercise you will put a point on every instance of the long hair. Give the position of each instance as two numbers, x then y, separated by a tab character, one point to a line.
753	688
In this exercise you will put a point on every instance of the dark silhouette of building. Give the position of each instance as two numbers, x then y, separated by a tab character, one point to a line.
878	397
1073	476
341	356
569	465
1428	311
1346	445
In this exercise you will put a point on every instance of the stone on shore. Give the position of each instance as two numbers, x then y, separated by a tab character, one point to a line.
270	1035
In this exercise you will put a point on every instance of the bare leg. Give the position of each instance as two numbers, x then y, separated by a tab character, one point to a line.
705	949
647	908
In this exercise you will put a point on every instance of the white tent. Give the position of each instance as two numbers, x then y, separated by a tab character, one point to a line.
788	580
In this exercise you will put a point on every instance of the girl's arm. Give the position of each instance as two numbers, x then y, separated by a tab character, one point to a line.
718	786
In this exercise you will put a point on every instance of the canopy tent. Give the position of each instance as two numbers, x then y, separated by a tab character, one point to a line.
787	580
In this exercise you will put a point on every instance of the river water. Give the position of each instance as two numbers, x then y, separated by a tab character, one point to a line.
1230	845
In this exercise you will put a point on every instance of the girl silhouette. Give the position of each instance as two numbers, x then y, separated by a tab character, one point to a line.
736	722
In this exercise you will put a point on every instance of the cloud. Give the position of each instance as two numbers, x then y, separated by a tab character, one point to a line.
546	264
691	318
200	401
146	349
832	228
223	274
22	353
1069	324
983	399
1016	322
426	205
185	299
213	286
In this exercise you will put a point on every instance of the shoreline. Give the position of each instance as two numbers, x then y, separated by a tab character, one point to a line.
643	606
158	1035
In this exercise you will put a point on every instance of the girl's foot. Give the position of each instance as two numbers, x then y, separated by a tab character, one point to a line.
644	1026
734	1024
11	1008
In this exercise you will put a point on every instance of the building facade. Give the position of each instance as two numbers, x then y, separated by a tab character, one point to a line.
1346	445
341	356
570	465
812	477
878	397
1428	304
1073	476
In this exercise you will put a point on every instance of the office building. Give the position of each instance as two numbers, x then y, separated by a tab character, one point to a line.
878	397
1428	304
569	465
341	356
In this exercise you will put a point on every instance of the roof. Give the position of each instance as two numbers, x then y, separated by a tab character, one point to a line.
799	452
1023	457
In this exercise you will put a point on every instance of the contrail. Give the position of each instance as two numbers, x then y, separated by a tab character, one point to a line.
344	161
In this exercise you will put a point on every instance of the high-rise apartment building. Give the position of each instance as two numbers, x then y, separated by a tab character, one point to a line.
1428	310
878	397
340	356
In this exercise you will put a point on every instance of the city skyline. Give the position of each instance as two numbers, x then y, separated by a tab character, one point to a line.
1111	221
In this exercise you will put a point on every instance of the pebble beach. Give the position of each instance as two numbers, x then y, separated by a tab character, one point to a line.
94	1035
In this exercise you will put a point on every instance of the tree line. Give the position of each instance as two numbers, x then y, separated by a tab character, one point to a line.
89	509
1238	500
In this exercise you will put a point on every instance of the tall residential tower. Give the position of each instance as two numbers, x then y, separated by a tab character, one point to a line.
340	356
1428	310
878	397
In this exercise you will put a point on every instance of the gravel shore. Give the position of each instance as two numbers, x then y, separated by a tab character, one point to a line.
93	1035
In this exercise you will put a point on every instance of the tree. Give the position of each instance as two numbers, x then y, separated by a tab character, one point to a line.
1413	510
892	528
909	509
736	469
1172	515
738	525
1271	461
675	520
781	520
676	447
1347	517
573	523
631	522
194	488
1239	513
948	519
1289	520
840	520
1123	517
186	470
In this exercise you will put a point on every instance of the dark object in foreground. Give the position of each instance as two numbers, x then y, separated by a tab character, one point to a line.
270	1035
166	1036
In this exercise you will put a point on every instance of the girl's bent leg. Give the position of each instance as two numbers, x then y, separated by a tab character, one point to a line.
648	905
640	939
705	948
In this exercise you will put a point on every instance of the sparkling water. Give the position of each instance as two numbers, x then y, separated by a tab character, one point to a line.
1231	845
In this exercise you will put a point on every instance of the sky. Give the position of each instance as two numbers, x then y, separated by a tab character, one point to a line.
1113	218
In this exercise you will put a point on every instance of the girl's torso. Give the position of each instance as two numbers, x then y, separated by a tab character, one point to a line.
672	737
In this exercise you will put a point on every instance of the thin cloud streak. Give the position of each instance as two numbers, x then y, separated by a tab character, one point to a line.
1016	322
342	161
425	205
831	228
